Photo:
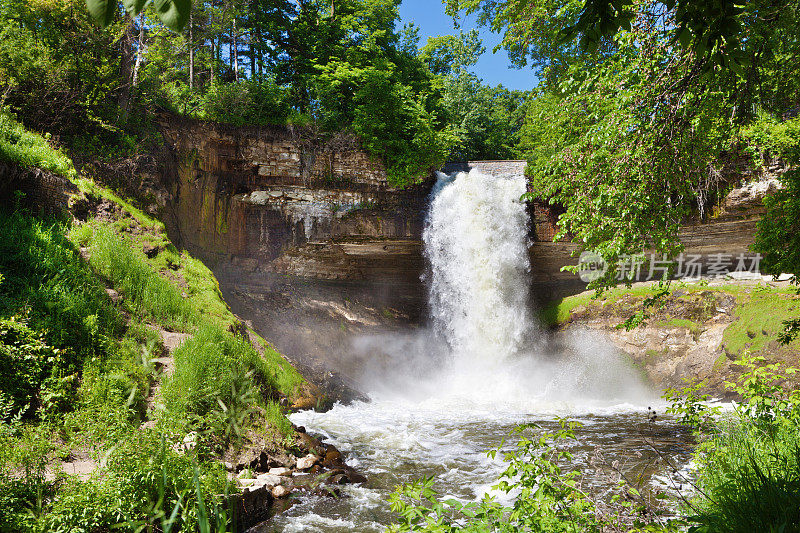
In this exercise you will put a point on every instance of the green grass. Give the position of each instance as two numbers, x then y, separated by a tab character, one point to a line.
48	286
759	320
90	188
30	150
148	293
749	479
691	325
219	374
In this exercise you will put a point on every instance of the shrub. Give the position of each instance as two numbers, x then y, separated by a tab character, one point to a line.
250	102
25	362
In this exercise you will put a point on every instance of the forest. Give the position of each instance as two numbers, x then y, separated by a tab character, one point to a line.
641	117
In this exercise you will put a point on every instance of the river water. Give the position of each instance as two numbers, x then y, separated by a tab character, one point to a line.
443	395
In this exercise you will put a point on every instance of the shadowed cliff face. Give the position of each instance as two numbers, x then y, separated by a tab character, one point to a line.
314	248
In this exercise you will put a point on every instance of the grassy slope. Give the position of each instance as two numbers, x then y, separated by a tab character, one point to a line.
90	399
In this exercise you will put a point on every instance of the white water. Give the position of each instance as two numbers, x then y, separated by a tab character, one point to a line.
443	396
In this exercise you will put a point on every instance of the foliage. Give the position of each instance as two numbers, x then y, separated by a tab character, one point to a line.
29	150
148	293
25	363
222	376
749	473
777	235
251	102
638	137
46	283
541	30
173	13
51	53
545	497
690	408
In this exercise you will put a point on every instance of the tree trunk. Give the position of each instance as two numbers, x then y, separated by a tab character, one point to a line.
235	45
139	51
191	52
211	61
125	71
252	57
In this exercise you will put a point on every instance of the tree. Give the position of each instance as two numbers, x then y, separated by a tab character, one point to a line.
547	31
643	134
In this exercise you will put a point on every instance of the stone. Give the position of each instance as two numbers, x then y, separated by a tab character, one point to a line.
280	471
280	491
304	463
269	480
333	458
151	250
114	296
751	196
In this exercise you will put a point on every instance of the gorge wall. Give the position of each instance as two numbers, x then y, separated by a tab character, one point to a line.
312	244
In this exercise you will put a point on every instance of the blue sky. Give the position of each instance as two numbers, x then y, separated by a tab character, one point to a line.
492	68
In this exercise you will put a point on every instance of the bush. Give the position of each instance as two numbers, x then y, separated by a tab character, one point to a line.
25	362
250	102
146	483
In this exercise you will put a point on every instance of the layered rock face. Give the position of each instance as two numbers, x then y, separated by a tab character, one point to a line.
307	237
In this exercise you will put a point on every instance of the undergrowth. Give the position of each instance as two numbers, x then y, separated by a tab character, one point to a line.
30	150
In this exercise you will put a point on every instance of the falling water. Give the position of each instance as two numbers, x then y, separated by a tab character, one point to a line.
443	395
476	244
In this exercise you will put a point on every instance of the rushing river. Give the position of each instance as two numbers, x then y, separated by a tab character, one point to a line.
446	394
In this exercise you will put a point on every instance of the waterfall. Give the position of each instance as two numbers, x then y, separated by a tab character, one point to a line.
476	243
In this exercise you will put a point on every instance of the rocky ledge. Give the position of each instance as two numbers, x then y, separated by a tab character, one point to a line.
697	333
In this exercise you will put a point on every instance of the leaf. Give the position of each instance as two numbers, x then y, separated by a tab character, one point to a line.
102	11
173	13
134	7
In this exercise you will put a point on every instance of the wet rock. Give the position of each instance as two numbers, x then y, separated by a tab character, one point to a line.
338	479
333	458
355	477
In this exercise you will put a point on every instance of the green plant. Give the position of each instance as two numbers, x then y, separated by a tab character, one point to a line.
546	498
148	293
28	149
691	408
